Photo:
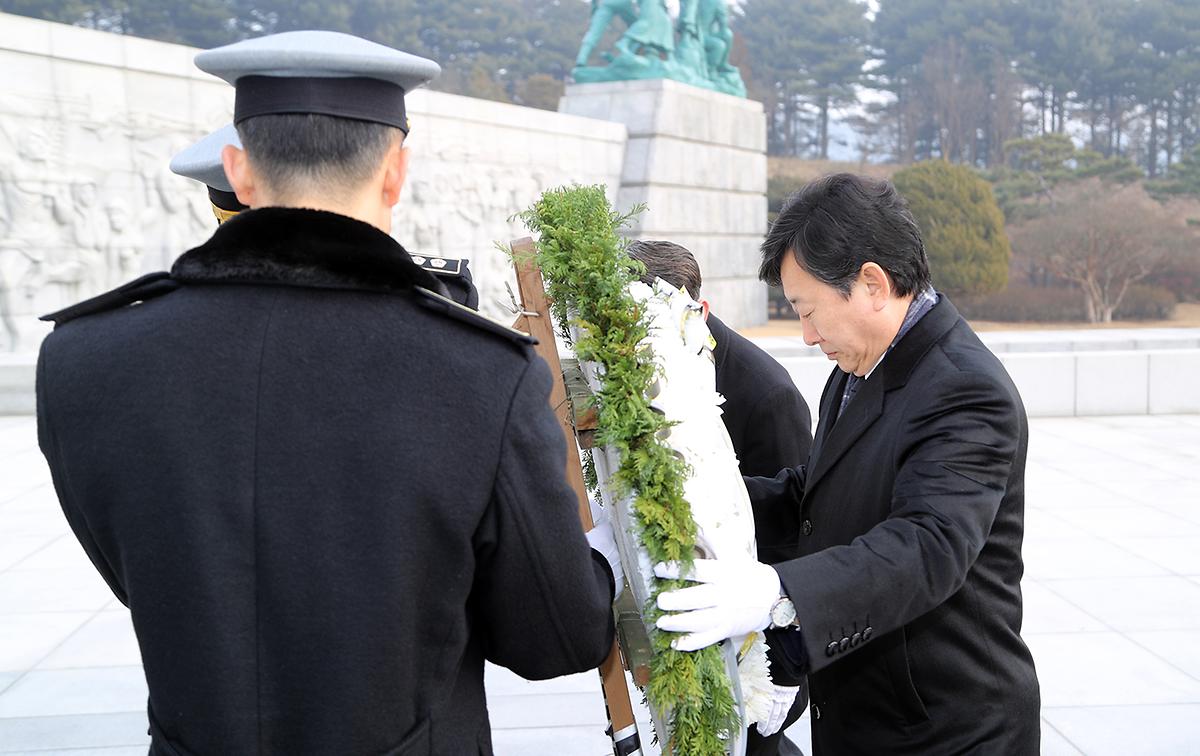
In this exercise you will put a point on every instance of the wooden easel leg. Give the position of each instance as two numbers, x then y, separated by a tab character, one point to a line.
622	724
620	709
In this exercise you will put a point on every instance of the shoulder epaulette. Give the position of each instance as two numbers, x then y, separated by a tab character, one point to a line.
450	308
148	286
442	266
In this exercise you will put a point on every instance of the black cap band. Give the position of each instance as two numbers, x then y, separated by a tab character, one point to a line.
225	200
356	97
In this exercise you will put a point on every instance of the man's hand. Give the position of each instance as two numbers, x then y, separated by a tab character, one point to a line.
782	699
734	598
602	539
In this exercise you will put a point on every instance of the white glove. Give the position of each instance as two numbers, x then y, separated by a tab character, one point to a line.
782	699
601	539
734	598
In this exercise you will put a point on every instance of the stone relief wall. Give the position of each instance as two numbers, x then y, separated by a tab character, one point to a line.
89	121
86	201
73	227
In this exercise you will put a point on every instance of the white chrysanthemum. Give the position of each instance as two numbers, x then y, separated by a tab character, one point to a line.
755	674
685	392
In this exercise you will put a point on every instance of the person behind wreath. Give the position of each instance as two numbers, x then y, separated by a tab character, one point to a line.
768	423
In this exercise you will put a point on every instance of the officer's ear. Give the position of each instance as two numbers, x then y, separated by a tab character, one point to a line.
240	174
396	171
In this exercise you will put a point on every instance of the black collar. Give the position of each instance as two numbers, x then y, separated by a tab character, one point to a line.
297	247
900	361
836	433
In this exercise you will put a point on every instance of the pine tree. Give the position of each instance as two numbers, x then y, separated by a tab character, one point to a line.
803	54
961	224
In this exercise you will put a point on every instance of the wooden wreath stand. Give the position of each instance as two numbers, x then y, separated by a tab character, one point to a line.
578	429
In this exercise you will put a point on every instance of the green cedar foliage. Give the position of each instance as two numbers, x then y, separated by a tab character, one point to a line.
587	273
961	224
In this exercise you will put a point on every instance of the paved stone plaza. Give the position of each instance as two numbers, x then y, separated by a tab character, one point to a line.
1112	609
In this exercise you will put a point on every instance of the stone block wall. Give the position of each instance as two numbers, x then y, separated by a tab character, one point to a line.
697	160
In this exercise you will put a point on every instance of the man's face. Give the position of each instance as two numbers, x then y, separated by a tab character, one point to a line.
843	327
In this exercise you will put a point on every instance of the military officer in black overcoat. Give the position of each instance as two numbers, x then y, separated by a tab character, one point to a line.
326	493
768	424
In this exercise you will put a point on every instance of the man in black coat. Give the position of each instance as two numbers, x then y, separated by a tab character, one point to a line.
905	609
768	424
326	492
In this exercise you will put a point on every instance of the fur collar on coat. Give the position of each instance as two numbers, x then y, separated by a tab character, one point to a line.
299	247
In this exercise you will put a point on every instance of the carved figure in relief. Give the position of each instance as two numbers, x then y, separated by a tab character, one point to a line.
123	252
175	220
30	216
89	232
14	266
88	225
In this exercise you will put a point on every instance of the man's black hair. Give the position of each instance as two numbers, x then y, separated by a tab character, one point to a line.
835	224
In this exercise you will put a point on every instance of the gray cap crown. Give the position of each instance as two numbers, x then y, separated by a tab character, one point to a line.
317	54
202	160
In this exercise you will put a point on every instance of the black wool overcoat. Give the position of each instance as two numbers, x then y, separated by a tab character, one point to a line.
326	494
769	425
911	518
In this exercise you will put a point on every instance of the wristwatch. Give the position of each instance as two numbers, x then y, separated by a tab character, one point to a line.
783	614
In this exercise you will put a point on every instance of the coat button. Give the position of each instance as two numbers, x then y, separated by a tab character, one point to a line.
855	639
831	649
867	633
844	644
806	527
816	712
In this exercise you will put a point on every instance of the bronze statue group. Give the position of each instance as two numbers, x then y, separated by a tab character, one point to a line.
694	49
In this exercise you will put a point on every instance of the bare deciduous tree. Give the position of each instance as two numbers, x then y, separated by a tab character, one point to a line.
1103	240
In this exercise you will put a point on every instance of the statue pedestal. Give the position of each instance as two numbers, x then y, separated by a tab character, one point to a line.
697	159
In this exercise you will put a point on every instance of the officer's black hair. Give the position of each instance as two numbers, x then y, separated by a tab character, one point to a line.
315	151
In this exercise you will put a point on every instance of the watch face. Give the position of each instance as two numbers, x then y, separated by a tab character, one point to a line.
783	613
